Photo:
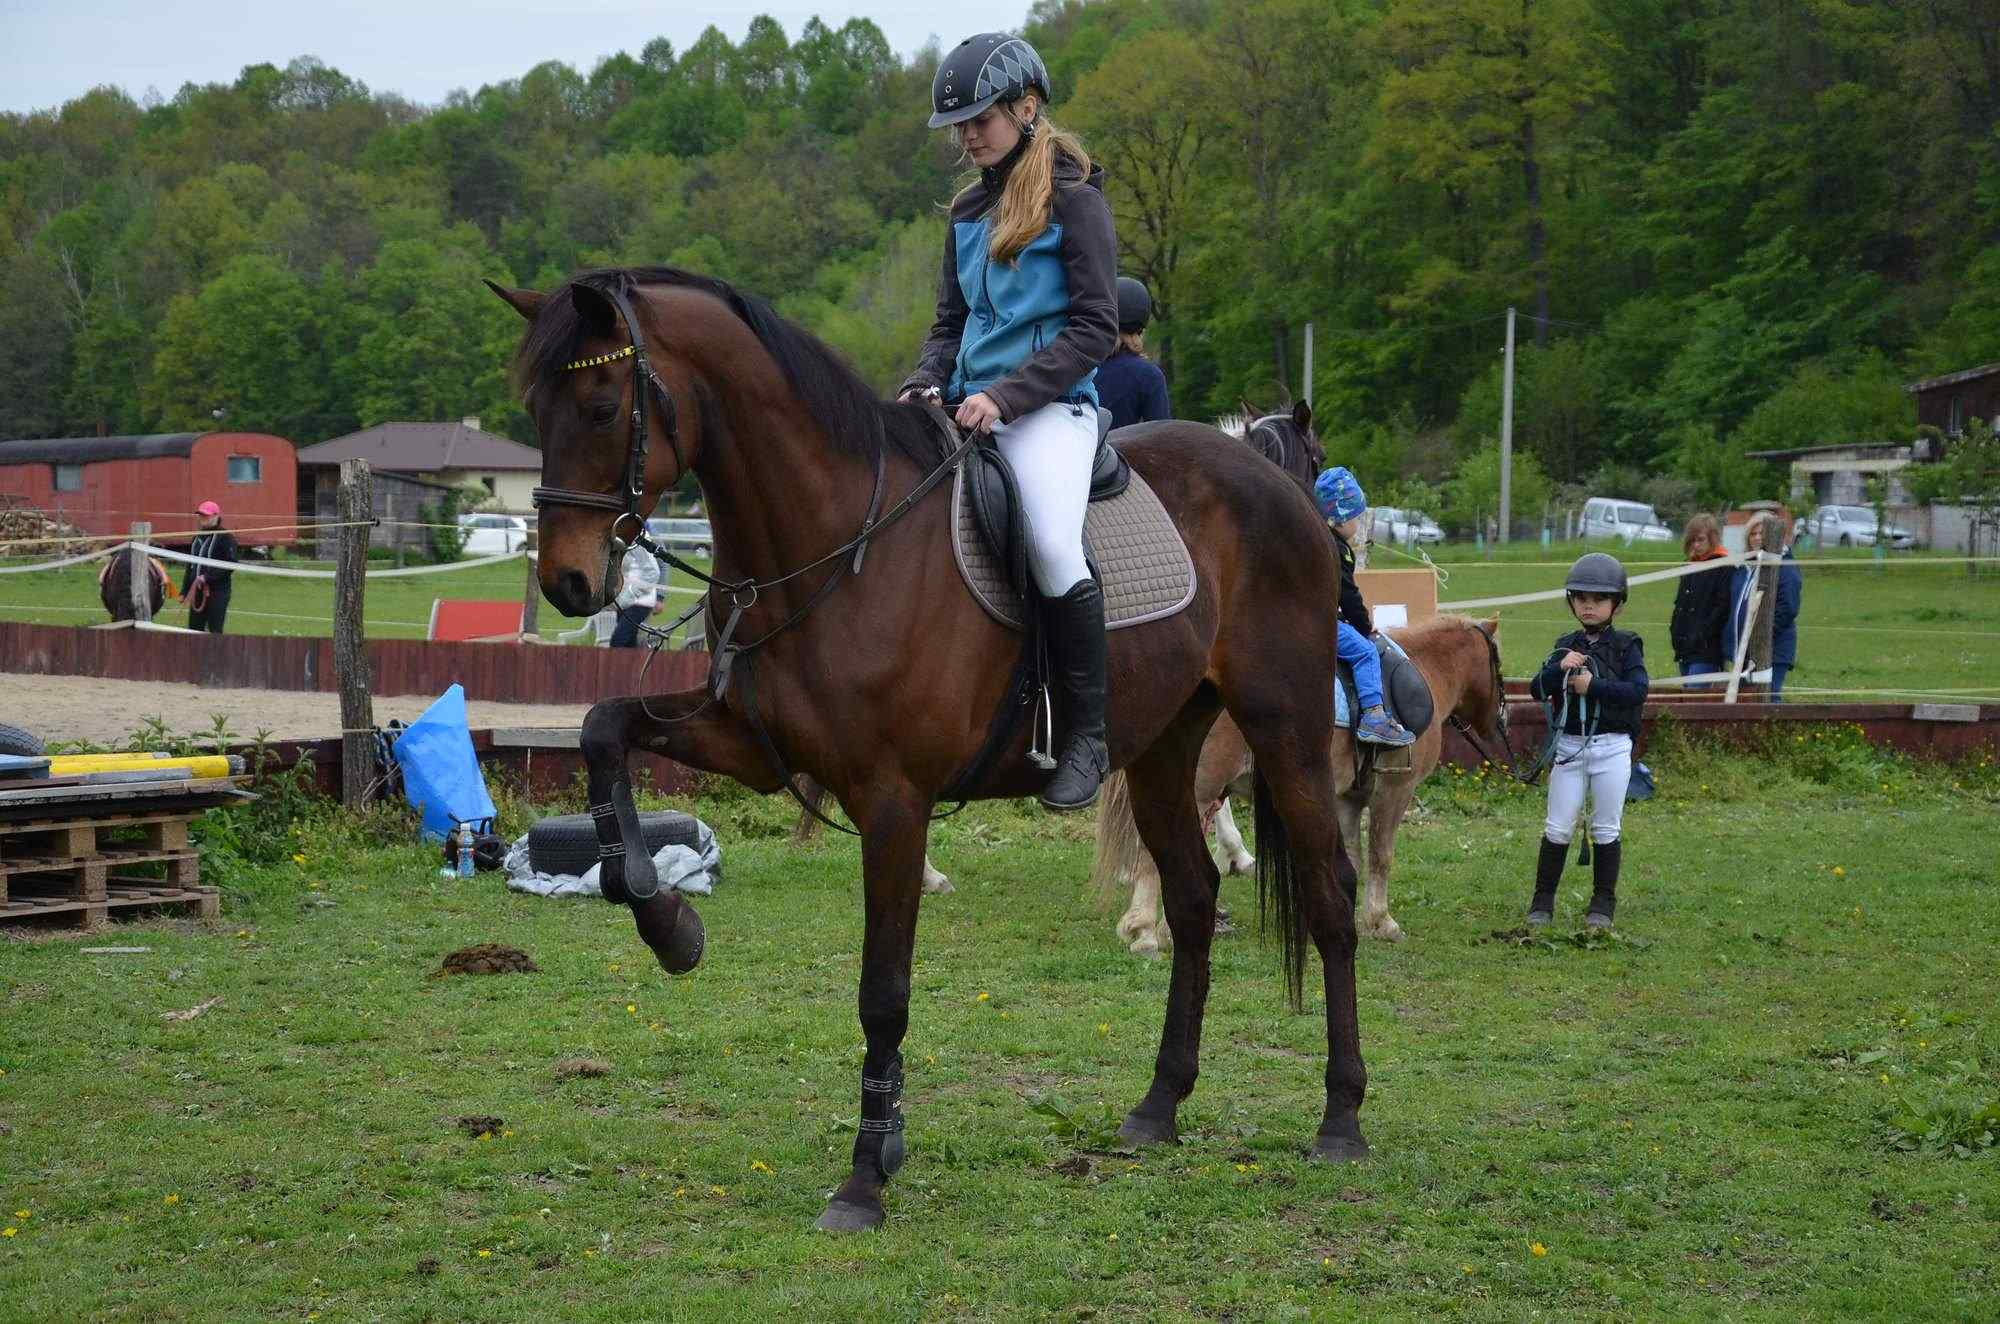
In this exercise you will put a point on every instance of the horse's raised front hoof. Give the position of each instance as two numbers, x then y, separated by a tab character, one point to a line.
1338	1149
1242	864
935	883
670	926
1137	1130
841	1216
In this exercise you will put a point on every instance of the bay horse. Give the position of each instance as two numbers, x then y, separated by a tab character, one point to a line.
114	587
816	488
1460	661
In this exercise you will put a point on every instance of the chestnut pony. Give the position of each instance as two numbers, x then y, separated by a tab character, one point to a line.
821	492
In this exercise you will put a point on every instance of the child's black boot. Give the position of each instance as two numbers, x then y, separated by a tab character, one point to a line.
1548	872
1603	884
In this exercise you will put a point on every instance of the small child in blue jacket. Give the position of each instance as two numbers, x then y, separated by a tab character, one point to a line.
1341	501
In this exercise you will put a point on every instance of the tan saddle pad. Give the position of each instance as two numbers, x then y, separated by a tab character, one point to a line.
1144	567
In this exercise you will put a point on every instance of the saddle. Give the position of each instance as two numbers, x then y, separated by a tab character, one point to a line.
1404	692
995	498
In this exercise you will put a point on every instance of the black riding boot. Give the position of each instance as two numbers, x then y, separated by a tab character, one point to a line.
1548	873
1603	884
1077	649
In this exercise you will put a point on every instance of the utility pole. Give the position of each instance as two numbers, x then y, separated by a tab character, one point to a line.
1507	433
1308	373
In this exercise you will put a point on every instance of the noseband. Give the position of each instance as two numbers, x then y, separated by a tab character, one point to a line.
626	502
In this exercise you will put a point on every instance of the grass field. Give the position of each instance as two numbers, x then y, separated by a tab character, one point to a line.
1771	1096
1906	624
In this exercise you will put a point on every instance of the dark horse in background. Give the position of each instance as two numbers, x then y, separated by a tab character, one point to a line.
114	587
816	490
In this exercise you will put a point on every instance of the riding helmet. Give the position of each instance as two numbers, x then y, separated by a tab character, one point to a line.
1135	305
981	70
1597	572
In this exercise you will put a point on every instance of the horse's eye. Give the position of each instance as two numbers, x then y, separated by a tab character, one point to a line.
603	414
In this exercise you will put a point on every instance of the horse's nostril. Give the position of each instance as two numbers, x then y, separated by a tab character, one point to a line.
575	588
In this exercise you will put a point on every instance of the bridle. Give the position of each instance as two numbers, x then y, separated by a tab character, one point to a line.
632	491
1464	728
1278	450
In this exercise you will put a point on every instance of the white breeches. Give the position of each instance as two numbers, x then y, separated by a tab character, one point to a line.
1604	768
1051	449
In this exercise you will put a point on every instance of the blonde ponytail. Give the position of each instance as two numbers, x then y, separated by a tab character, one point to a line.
1030	191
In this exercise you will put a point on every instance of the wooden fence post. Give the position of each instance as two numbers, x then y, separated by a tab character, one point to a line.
350	652
141	571
531	598
1764	618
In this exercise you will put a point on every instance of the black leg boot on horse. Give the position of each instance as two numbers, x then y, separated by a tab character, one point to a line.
1076	640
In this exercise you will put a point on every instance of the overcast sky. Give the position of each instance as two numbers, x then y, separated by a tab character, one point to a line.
54	50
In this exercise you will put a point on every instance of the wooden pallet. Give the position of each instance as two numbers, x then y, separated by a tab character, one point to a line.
79	870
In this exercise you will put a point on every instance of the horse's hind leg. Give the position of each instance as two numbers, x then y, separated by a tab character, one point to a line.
1163	806
1309	881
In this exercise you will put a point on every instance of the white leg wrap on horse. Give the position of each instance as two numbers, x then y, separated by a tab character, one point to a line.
1604	769
1051	449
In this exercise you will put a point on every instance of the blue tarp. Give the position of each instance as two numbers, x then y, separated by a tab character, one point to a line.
440	772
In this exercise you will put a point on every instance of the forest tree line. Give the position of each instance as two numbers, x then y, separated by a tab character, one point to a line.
1728	225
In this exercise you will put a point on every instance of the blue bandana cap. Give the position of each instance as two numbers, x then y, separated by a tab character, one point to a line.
1340	495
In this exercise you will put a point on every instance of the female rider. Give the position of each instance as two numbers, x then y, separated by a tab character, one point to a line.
1026	311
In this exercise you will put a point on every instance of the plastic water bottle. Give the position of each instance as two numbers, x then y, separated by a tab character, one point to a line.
464	851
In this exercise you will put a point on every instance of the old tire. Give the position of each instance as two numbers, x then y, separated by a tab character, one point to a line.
13	740
567	843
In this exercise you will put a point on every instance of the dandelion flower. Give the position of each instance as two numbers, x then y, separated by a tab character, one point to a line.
485	1254
505	1132
1243	1167
8	1231
1885	1078
718	1190
485	1135
298	859
175	1199
1104	1027
1112	1237
984	997
631	1009
758	1165
22	1213
1839	872
1538	1250
679	1191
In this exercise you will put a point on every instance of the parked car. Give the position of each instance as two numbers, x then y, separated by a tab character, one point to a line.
1627	521
1396	525
682	535
493	535
1854	526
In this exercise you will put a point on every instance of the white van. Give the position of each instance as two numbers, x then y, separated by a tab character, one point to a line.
1627	521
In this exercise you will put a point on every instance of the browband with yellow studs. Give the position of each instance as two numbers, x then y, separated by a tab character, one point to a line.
612	357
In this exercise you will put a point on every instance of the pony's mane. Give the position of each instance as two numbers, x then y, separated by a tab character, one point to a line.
854	418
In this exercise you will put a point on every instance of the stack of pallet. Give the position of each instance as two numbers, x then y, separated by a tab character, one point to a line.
83	868
78	845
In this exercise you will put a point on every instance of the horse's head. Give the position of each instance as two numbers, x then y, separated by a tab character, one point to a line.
611	432
1482	704
1287	440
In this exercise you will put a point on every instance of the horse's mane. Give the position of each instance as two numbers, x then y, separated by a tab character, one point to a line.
855	419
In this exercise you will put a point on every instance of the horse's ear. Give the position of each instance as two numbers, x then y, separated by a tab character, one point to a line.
1491	625
528	303
600	317
1250	413
1302	416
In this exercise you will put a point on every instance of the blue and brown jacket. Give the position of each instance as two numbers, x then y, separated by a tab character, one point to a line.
1033	330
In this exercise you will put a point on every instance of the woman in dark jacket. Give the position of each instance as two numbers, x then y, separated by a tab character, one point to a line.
1026	312
1762	532
1701	604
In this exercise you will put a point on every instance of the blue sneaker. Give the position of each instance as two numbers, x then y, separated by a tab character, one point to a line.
1378	728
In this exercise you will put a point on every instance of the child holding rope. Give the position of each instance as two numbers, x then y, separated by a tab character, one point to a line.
1595	683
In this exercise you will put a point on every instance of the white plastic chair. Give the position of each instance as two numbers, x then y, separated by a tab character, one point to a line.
602	624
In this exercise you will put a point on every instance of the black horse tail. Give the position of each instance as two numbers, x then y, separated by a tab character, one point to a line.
1279	902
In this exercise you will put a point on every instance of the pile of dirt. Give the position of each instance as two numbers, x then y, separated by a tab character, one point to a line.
486	958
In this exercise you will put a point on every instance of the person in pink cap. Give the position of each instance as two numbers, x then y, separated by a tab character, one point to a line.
205	588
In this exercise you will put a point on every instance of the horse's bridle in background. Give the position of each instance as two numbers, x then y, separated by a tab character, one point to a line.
1512	766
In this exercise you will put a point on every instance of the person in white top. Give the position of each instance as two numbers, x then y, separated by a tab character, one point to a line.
638	596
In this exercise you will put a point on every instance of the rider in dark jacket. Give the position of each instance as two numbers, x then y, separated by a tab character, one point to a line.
1129	384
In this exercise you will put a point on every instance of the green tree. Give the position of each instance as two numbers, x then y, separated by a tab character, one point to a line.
1484	89
242	345
1472	493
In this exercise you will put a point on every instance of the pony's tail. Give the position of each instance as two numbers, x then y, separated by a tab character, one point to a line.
1118	844
1279	902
